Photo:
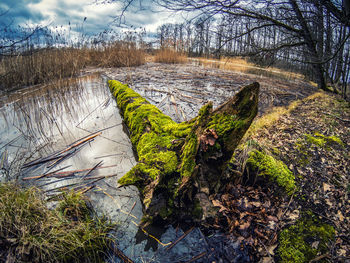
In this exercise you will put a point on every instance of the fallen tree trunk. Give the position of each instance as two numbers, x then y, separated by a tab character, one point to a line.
181	165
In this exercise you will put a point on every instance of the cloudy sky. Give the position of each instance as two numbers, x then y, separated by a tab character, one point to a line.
99	17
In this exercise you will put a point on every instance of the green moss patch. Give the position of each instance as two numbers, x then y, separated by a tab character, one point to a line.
224	124
68	233
321	140
309	143
304	240
272	169
154	135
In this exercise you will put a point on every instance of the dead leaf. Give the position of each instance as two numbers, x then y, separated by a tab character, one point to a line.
340	216
272	218
219	204
271	249
256	204
326	187
293	215
267	260
244	226
315	244
329	203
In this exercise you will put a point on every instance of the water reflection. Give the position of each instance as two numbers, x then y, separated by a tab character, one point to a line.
74	133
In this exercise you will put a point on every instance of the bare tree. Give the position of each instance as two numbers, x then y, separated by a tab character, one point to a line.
298	23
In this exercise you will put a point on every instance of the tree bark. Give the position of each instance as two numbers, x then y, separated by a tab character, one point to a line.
181	165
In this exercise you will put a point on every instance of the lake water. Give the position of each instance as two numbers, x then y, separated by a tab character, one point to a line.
39	121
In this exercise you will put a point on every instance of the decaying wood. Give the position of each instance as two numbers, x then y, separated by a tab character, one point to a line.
180	166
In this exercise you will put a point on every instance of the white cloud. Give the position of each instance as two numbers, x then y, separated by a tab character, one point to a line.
99	17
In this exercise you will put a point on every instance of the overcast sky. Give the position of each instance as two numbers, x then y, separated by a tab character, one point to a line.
98	16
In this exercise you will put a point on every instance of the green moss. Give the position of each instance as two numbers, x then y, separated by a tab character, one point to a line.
135	175
306	145
188	156
272	169
154	135
197	211
321	140
165	212
296	242
222	123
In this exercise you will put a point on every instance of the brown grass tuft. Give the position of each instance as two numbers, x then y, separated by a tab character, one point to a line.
170	56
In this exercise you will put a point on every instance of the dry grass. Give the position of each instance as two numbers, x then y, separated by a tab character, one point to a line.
45	65
242	65
268	119
167	55
30	232
118	54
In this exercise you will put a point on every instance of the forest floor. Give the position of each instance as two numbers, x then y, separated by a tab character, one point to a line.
313	140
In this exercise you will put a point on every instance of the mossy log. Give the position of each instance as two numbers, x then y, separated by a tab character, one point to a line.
180	165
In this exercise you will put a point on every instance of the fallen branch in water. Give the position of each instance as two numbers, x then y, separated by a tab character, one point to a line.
197	257
180	238
121	255
92	169
66	173
58	155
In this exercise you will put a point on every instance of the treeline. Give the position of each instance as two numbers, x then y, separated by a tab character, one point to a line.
305	36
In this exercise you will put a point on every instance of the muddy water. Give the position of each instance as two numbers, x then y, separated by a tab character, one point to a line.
39	121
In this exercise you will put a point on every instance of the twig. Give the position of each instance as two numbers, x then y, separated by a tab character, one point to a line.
268	253
197	257
68	173
92	112
121	255
109	155
87	189
290	201
344	120
58	155
173	101
61	158
15	139
85	139
180	238
319	258
132	208
45	174
101	177
93	168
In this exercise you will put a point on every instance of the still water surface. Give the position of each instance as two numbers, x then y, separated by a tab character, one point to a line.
39	121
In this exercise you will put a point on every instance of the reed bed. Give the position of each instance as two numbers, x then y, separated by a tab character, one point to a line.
48	64
170	56
118	54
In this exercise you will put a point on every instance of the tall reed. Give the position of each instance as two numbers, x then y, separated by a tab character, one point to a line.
170	56
44	65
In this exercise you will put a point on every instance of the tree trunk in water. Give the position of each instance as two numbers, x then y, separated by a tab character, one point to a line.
181	165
